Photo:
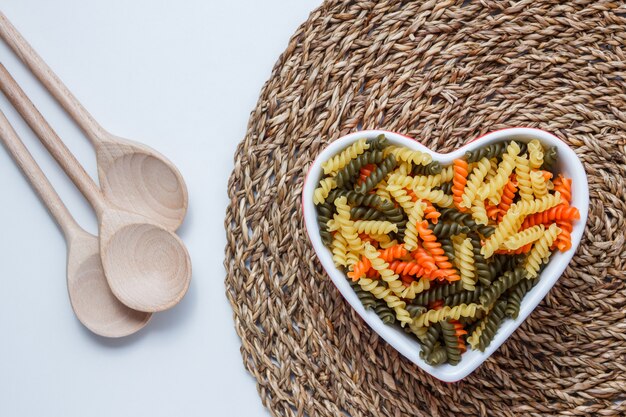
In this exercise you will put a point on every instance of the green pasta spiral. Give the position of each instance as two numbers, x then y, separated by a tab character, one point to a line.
378	144
349	173
516	295
367	298
437	293
415	310
381	171
445	230
448	248
493	321
483	271
430	340
499	286
463	297
365	213
465	219
438	356
550	158
451	342
433	168
495	150
325	212
386	314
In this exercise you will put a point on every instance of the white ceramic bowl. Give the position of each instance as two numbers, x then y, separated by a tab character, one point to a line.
568	164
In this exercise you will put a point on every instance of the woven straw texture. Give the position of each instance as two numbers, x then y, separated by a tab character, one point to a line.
444	72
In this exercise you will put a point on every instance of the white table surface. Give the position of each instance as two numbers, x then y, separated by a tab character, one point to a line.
183	78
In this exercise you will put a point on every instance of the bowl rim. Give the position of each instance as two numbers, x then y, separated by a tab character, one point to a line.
569	164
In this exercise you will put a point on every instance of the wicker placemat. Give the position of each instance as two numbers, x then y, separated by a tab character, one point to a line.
444	72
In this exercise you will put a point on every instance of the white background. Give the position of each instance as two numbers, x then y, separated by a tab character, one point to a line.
183	78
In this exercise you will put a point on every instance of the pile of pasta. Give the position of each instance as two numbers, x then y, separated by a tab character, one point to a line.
446	252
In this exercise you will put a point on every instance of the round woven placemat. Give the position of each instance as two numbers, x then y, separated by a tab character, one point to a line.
444	72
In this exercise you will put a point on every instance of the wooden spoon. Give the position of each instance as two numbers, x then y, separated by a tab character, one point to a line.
92	300
132	175
147	266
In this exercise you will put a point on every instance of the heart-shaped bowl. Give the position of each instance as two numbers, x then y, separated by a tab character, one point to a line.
568	164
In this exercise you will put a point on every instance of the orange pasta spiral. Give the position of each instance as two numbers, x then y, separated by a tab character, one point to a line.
431	244
424	259
493	211
393	252
430	212
407	268
360	269
558	212
458	182
564	186
508	195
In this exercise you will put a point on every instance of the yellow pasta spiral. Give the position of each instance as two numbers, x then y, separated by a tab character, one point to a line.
540	253
479	212
346	225
339	250
524	237
392	301
475	181
522	172
399	194
535	154
464	260
493	189
509	225
447	312
537	205
391	278
415	288
538	184
321	192
434	196
407	181
381	190
376	227
415	216
337	162
409	155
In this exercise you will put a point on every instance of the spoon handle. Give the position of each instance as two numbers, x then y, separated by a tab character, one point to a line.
37	178
51	81
51	140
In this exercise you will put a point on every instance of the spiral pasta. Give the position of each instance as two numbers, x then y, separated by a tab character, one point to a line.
535	154
337	162
409	155
492	189
524	237
464	260
321	192
475	180
375	227
448	252
538	184
447	312
522	172
415	216
541	251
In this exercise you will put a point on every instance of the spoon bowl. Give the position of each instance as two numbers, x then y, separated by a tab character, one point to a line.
137	178
92	300
147	267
